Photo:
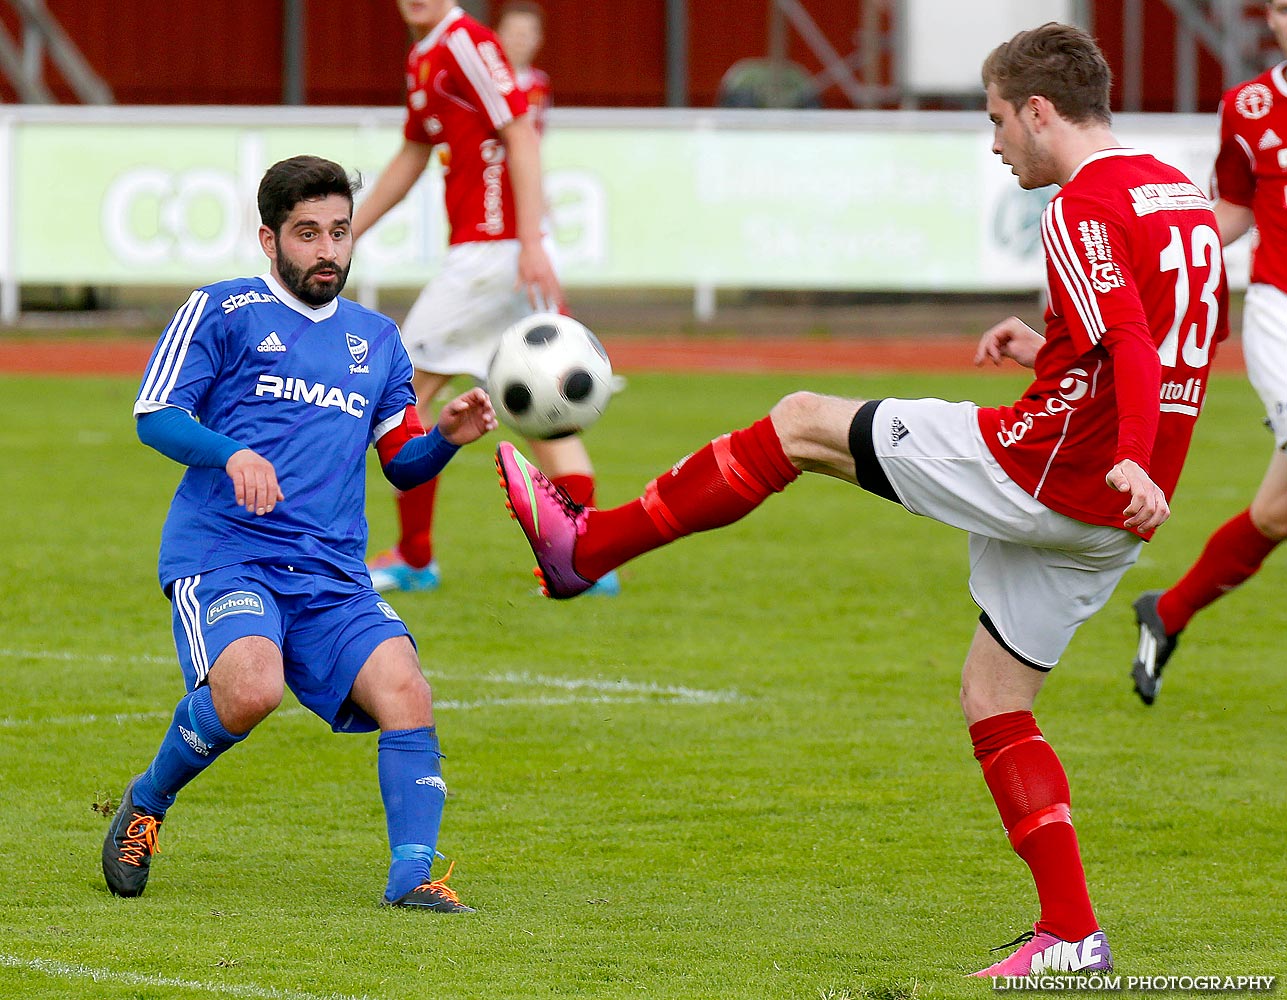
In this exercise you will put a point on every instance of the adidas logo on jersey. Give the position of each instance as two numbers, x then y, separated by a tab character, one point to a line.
1269	140
897	431
272	344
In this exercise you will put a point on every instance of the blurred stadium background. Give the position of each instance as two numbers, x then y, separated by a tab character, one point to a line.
750	164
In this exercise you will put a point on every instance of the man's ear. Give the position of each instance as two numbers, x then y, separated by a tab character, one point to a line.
1041	110
268	242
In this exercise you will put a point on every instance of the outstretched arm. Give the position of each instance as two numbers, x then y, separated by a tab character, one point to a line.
1011	338
410	457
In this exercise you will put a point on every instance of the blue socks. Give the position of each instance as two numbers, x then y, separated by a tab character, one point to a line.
191	744
411	782
414	793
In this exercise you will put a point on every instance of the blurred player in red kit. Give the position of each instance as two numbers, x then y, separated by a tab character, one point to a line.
521	30
1057	491
463	102
1250	189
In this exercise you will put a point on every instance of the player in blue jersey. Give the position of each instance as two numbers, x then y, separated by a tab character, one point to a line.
270	391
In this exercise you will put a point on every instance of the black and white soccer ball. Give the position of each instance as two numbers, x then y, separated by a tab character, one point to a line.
550	377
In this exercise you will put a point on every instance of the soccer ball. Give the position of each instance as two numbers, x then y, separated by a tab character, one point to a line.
550	377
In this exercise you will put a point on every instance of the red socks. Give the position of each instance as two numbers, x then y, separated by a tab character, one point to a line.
415	513
1232	554
715	486
578	487
1031	792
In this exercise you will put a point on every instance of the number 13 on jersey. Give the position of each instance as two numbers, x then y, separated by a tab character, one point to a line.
1201	256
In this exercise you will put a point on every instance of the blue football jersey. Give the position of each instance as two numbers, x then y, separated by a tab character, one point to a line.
309	390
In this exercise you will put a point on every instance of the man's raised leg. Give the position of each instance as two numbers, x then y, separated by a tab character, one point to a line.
713	487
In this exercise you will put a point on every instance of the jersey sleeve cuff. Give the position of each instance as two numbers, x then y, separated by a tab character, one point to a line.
419	460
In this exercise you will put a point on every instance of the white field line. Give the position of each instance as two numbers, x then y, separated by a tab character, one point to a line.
580	691
70	657
695	696
75	972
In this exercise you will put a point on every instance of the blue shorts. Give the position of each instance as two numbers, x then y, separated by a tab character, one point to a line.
326	628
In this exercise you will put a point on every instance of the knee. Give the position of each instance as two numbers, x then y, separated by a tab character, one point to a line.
415	692
1270	517
972	706
406	702
795	408
244	705
978	703
794	418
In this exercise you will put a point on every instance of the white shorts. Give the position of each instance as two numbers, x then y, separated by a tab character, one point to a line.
1264	348
1036	574
455	323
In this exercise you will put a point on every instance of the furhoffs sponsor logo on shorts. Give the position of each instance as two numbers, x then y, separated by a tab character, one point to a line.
239	602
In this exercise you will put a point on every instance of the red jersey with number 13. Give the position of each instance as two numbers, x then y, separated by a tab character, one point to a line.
1137	301
460	93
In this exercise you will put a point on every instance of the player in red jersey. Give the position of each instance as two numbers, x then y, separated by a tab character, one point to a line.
521	30
463	102
1057	491
1250	188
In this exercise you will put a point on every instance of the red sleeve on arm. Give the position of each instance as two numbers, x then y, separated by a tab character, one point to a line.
1086	246
1137	376
392	440
1233	179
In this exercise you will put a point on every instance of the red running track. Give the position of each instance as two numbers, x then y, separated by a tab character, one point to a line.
38	355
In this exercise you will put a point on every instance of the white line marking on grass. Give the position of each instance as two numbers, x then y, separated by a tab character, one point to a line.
695	696
67	970
119	718
70	657
597	691
545	701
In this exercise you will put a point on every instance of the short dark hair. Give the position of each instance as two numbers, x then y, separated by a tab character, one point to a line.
521	7
301	178
1058	62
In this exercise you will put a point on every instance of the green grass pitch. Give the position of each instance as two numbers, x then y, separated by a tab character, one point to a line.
747	777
